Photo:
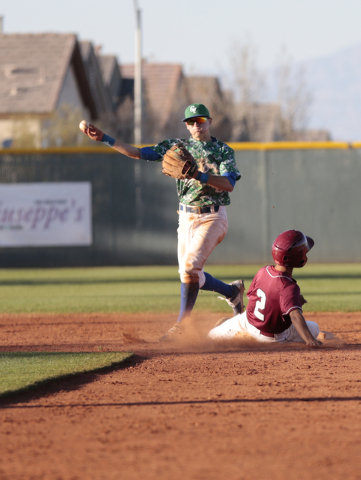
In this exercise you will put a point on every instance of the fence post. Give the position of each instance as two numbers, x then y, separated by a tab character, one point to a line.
265	227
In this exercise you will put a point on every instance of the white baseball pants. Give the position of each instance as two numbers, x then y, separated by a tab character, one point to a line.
198	235
239	327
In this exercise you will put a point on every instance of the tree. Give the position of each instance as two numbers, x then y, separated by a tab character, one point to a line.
253	118
24	133
247	84
59	129
62	128
293	95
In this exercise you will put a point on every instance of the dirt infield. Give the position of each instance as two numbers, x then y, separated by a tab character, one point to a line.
185	411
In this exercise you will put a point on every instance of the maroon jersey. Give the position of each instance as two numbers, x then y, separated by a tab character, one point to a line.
271	297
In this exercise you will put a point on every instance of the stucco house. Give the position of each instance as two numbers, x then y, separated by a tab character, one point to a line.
41	74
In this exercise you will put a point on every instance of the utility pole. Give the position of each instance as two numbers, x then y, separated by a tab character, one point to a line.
138	78
138	115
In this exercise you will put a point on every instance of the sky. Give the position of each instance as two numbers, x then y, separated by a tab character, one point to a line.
199	34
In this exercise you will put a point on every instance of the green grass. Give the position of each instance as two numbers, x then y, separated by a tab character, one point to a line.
331	287
22	370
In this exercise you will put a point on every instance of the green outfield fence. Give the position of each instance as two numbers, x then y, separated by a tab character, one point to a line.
314	187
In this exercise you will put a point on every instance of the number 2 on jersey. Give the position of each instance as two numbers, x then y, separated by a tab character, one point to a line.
260	305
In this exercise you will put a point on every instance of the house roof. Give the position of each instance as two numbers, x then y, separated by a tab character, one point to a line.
256	122
86	48
161	85
107	64
311	135
111	76
206	90
127	89
101	94
267	117
33	69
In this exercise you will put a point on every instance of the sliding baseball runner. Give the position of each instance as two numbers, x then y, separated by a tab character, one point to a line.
274	310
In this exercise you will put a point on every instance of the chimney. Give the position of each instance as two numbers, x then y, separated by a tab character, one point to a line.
98	49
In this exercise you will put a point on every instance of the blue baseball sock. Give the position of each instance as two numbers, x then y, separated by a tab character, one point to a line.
189	294
214	285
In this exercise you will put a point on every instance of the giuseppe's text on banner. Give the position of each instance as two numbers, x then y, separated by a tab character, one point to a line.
45	214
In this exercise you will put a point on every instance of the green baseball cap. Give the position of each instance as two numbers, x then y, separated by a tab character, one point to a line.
196	110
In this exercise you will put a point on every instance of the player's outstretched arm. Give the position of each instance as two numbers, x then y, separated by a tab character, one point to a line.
301	326
96	134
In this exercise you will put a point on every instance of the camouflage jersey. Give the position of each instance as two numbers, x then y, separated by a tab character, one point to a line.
212	157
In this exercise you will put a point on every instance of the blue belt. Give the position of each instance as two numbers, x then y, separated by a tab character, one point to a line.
188	209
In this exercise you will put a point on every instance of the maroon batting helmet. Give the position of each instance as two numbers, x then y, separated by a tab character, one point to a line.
290	248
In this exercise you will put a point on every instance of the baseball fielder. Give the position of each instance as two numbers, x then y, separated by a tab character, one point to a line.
206	176
274	310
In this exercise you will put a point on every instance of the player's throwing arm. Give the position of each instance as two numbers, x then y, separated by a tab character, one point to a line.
96	134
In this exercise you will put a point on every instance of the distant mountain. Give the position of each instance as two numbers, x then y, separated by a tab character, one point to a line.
335	83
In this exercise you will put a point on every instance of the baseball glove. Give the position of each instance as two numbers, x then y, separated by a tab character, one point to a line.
178	162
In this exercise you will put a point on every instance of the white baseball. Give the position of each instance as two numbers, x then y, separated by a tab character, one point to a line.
83	125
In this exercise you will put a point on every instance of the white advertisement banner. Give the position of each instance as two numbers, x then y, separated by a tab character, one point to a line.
45	214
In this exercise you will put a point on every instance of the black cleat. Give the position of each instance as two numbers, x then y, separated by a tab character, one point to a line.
236	301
